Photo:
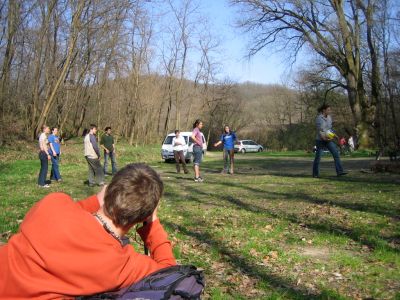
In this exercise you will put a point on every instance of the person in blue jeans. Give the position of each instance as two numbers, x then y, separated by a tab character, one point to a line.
228	139
108	145
324	125
197	138
55	152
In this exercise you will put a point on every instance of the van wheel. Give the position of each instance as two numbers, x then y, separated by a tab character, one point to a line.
259	149
243	151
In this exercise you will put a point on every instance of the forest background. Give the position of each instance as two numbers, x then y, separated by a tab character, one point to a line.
149	67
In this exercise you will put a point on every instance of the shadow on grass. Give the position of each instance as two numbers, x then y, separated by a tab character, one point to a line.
302	168
299	196
357	234
193	198
278	283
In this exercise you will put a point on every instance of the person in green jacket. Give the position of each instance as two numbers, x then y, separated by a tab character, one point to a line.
107	143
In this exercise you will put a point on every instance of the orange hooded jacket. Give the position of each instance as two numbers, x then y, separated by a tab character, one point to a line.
62	251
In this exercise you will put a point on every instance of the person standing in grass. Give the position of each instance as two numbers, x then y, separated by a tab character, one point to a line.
92	155
197	138
108	145
324	125
178	144
55	152
350	142
44	156
228	139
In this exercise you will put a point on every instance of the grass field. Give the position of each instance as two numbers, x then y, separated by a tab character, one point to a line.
268	232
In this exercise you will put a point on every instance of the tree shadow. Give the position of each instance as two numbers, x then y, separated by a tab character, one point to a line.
302	168
289	290
299	196
193	198
389	179
357	235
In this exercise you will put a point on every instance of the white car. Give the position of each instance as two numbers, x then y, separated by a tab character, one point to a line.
244	146
167	152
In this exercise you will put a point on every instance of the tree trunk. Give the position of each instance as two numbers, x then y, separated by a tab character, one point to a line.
75	27
12	27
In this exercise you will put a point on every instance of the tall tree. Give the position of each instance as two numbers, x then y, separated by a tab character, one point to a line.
67	61
335	30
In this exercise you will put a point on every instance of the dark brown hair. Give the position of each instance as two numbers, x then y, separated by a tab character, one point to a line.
323	107
196	123
132	195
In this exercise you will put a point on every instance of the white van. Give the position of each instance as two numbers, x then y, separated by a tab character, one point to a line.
167	152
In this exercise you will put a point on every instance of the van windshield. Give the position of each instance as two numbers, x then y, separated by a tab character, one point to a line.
168	140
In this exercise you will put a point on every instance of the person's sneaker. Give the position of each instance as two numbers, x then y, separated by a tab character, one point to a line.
59	180
201	179
342	174
223	172
198	179
44	186
315	176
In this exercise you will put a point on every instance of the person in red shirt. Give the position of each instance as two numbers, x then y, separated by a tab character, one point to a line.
66	249
342	144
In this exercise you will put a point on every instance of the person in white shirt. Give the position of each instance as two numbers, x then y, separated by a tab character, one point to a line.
44	156
179	144
350	142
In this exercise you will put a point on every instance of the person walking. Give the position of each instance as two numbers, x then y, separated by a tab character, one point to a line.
324	141
55	152
179	144
197	138
228	139
92	155
44	156
108	145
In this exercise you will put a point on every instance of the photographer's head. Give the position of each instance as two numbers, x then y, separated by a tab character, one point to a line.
132	195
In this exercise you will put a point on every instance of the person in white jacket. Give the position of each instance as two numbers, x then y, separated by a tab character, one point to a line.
179	144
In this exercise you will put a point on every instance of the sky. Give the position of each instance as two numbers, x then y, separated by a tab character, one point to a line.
262	68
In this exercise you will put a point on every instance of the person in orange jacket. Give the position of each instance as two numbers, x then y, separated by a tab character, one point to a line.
66	249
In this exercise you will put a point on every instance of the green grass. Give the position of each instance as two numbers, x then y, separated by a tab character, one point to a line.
302	153
268	232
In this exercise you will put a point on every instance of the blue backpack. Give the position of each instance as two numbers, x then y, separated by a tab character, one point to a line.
176	282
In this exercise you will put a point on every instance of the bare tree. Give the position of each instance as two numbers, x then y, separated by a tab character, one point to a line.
75	29
335	31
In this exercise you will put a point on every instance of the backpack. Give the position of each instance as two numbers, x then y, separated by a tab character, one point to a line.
175	283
